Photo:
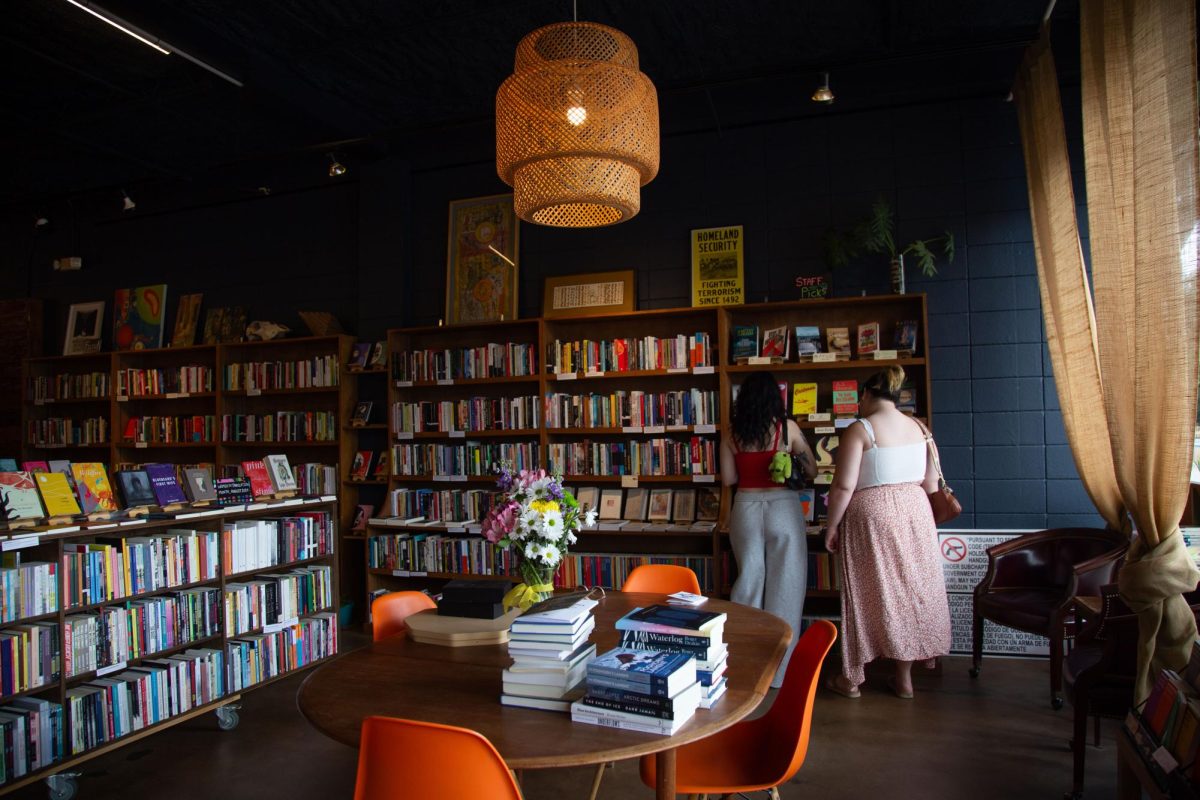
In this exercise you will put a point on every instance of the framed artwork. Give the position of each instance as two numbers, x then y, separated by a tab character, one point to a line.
138	317
635	505
589	295
481	260
187	317
708	503
660	504
610	504
224	325
684	505
83	328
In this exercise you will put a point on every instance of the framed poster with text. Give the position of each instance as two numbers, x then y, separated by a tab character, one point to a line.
481	260
718	266
589	295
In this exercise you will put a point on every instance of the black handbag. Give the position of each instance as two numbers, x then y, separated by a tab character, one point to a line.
797	479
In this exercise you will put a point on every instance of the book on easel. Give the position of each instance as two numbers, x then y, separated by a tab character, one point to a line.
19	499
57	496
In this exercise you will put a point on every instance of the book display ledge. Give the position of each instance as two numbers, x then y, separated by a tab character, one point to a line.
112	631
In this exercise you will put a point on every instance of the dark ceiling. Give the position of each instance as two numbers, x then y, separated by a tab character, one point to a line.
88	107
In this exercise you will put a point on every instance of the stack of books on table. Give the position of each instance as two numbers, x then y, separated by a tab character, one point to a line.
550	651
688	631
639	690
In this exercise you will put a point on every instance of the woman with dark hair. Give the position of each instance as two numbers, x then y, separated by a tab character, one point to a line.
766	526
893	595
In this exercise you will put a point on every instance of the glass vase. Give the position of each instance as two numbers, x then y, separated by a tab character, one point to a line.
534	575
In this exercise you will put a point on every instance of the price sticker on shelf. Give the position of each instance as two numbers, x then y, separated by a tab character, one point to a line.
677	428
885	355
122	398
174	395
629	481
458	434
111	668
822	429
419	573
445	381
404	435
824	358
443	478
676	370
566	376
141	445
458	478
631	429
403	384
826	417
252	391
759	361
705	429
704	479
400	573
594	373
703	370
455	529
654	429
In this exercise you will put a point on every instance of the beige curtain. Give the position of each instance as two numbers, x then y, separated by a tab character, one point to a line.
1139	112
1136	354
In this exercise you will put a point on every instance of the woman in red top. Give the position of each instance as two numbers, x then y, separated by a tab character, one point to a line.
766	526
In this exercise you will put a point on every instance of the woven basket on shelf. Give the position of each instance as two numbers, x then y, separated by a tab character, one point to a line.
576	127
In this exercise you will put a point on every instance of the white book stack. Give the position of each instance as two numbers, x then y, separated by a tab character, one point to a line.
550	651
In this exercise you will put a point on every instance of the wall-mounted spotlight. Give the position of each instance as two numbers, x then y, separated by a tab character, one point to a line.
127	204
823	93
336	168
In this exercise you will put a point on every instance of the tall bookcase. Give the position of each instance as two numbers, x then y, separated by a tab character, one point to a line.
400	554
192	579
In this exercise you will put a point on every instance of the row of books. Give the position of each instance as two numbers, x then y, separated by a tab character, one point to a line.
164	430
27	588
610	570
187	379
254	659
29	657
1168	726
418	553
307	373
116	634
111	569
441	505
748	342
467	414
656	505
104	709
280	426
76	386
273	599
470	458
624	354
694	456
31	730
258	544
633	409
823	572
493	360
62	431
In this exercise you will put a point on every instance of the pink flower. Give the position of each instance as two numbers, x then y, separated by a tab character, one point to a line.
500	521
528	476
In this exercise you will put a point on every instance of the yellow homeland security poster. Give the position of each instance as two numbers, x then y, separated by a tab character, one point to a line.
718	270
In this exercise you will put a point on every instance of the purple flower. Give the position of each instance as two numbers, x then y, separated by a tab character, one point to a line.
555	490
504	481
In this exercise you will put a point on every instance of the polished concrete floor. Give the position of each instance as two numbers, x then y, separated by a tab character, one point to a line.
995	737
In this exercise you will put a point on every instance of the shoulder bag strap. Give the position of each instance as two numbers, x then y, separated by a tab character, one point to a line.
937	466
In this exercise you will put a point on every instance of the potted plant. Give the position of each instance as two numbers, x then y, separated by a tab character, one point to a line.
876	235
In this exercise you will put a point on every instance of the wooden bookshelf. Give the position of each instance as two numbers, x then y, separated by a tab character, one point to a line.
50	546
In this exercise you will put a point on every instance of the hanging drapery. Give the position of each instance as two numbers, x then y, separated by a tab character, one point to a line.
1139	113
1066	298
1136	354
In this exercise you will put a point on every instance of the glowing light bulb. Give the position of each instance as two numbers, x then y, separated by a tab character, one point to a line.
576	115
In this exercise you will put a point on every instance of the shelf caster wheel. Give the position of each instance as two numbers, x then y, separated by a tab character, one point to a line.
973	672
1056	703
62	785
227	717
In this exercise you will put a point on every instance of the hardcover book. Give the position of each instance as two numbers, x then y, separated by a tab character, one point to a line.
838	339
233	491
56	494
683	508
588	497
868	338
845	397
808	340
745	340
359	355
906	335
135	488
361	515
362	413
138	316
804	398
35	466
826	452
635	504
381	470
708	503
660	504
19	496
280	471
64	469
165	485
92	486
610	504
260	480
199	485
662	618
671	672
361	466
775	343
379	355
8	465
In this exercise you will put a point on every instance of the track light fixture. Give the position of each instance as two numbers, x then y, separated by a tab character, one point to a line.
336	168
127	204
823	93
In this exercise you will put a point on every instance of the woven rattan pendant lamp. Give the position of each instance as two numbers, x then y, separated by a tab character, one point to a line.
577	127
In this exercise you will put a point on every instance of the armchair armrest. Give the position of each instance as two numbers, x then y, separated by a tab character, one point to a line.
1091	575
1017	562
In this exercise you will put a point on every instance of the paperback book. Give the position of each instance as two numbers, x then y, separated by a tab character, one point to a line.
280	472
845	397
775	343
665	674
906	335
56	494
19	496
745	341
199	485
91	484
233	492
868	338
839	340
260	480
808	340
165	484
666	619
135	488
804	398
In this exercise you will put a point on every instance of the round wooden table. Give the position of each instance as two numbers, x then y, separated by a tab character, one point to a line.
462	686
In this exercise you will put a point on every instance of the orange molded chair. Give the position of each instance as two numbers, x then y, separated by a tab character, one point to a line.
389	611
661	579
763	753
401	758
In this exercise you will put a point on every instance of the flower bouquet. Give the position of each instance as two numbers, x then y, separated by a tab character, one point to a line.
538	519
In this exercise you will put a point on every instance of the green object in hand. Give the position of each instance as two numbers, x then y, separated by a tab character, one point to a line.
780	467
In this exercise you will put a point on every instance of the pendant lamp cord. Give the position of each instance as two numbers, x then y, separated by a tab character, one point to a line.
575	9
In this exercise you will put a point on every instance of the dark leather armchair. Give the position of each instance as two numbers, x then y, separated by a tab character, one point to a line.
1031	580
1100	671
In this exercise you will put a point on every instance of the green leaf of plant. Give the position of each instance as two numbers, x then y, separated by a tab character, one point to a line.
948	247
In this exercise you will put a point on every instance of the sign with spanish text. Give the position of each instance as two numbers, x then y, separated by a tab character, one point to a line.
718	266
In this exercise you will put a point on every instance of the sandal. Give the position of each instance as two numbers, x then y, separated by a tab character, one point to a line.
891	682
834	685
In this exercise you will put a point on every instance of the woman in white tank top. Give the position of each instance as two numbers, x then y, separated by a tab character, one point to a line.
893	596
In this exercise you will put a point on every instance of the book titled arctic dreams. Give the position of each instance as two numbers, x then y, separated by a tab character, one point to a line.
651	671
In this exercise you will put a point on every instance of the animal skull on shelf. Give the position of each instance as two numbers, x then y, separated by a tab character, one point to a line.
261	330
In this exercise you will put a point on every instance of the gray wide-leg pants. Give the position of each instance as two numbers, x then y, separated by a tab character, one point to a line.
767	531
